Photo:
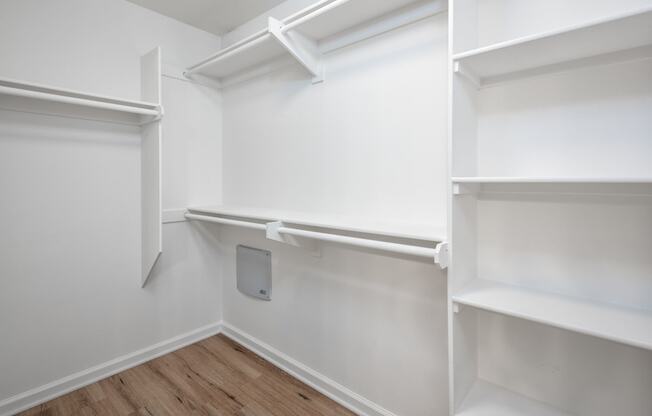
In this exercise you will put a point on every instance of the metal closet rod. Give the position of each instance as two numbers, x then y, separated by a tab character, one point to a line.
333	238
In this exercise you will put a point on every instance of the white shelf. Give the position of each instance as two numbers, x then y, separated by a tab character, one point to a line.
487	399
422	232
298	36
569	185
26	96
612	322
550	180
249	53
554	49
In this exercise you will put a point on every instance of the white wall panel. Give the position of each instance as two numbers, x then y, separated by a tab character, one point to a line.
366	320
369	141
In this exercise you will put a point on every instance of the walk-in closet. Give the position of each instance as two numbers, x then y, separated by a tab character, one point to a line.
326	207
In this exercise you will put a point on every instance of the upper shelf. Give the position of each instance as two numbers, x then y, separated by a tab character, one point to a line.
250	52
603	320
22	95
552	180
298	36
348	224
556	50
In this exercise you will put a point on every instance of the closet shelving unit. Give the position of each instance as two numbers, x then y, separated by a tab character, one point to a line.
528	197
147	114
305	36
408	239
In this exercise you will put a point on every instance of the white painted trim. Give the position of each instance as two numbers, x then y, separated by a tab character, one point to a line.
317	381
174	215
34	397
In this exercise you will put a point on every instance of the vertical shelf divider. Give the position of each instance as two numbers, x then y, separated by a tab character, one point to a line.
151	210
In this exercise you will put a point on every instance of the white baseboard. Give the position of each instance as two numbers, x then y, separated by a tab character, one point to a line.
317	381
83	378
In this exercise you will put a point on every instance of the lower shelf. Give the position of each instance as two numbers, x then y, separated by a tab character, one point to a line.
487	399
613	322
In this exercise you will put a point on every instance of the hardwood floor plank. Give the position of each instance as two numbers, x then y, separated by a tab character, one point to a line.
214	377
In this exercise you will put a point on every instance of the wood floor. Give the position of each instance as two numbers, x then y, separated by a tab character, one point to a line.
213	377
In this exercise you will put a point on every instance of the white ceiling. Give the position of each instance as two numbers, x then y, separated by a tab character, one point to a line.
215	16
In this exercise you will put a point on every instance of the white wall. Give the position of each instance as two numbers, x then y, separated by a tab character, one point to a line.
70	219
369	141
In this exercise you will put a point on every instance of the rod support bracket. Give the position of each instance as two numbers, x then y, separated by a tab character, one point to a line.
441	255
272	233
302	48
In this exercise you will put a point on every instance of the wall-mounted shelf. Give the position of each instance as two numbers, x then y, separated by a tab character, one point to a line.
487	399
551	180
560	49
299	35
25	96
602	320
567	185
284	227
264	46
423	232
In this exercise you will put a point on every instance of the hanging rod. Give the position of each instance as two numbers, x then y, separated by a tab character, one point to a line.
439	253
361	242
16	92
46	93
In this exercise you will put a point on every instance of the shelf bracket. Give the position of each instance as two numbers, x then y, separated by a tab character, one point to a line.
272	233
441	255
460	69
303	49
